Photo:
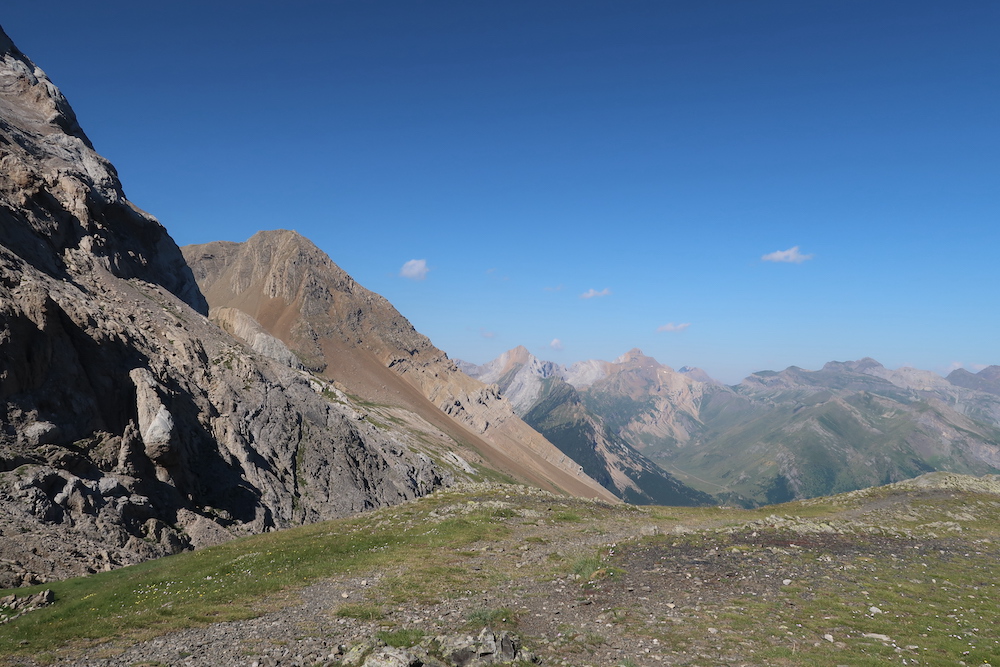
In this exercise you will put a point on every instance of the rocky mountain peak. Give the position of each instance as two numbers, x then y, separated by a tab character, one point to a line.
348	334
519	355
29	96
6	44
62	207
632	355
986	380
859	366
698	374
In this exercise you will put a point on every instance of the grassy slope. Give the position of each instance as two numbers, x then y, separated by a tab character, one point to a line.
714	578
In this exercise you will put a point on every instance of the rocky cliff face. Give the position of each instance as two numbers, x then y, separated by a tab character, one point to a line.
130	426
354	337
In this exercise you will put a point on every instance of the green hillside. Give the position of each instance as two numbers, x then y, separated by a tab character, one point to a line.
883	574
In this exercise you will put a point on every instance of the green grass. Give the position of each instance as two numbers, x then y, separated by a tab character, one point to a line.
403	638
362	611
940	614
243	578
501	618
586	566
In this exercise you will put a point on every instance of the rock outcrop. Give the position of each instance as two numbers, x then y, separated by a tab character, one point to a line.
453	650
131	426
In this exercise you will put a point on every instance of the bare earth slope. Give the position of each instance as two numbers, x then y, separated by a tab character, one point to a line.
130	426
351	335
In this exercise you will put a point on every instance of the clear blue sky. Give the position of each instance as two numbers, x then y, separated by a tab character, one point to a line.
648	153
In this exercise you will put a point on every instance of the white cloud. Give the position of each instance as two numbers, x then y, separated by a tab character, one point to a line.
485	333
591	293
556	344
415	269
670	326
557	288
790	256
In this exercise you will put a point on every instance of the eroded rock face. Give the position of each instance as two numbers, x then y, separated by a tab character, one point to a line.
130	426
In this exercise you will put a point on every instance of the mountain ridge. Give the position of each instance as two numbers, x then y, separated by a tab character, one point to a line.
781	435
358	339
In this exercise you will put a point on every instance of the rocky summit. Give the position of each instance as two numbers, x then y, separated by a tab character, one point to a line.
132	427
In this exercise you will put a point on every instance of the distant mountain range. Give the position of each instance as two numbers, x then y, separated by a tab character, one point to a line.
773	437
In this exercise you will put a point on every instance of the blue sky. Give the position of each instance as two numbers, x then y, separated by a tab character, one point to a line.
527	155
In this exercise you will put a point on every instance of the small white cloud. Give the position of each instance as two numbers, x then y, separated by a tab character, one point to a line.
485	333
556	344
557	288
415	269
591	293
790	256
670	326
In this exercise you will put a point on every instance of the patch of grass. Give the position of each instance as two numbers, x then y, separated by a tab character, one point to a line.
489	475
361	611
592	568
567	517
403	638
501	618
586	566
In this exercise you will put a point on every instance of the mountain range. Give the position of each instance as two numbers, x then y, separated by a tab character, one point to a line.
773	437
